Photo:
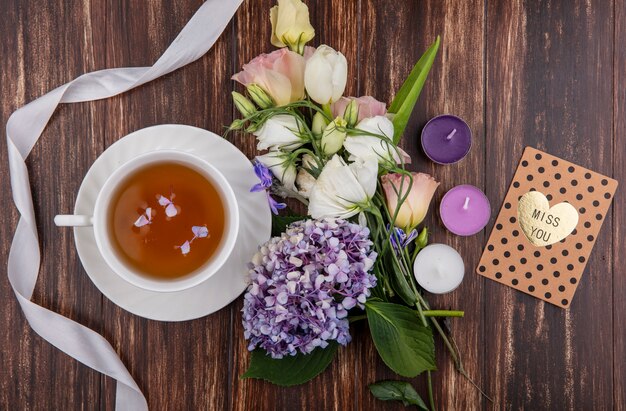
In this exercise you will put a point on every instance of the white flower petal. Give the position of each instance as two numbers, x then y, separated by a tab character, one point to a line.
340	188
279	132
305	183
171	210
379	148
141	221
200	231
280	165
164	201
185	248
366	172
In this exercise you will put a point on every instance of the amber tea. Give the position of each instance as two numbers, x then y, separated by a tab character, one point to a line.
166	220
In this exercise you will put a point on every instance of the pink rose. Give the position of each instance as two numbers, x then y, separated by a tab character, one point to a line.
415	207
368	107
280	74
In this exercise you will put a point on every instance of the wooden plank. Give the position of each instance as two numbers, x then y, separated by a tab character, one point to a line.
178	365
549	66
33	63
336	25
619	212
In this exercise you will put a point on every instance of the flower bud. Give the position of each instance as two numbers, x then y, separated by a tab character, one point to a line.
334	136
422	239
252	128
236	125
259	96
245	106
325	75
319	124
290	25
351	114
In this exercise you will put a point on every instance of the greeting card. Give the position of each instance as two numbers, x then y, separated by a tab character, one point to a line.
547	227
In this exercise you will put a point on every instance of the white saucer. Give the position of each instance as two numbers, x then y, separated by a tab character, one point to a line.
224	286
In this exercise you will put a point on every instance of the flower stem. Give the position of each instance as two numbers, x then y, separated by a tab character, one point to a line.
453	350
443	313
447	343
356	318
431	397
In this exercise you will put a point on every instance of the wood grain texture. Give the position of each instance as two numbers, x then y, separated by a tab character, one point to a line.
549	74
547	86
619	216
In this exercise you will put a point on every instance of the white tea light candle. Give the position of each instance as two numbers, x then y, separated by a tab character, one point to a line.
439	268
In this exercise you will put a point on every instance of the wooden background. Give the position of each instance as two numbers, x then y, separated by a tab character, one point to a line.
551	74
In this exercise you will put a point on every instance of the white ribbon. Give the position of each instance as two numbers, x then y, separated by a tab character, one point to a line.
24	129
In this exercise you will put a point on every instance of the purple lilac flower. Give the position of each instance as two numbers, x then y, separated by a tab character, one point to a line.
303	283
399	239
266	177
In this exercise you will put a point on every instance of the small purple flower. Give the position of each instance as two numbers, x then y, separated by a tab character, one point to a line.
199	231
266	177
399	239
303	283
264	174
275	205
170	207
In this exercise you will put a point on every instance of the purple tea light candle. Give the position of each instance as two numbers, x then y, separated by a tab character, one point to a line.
465	210
446	139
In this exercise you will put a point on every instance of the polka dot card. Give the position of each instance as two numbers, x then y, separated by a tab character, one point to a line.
547	227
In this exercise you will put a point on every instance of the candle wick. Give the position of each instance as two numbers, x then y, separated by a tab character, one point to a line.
449	136
466	204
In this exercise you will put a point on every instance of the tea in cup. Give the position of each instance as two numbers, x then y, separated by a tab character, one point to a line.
164	221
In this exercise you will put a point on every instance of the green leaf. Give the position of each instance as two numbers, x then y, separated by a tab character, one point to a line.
279	223
290	370
404	344
402	105
399	391
397	280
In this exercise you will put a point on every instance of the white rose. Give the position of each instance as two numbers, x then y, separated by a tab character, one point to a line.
325	75
363	146
281	131
281	166
342	190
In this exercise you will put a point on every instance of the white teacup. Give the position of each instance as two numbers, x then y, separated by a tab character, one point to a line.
103	237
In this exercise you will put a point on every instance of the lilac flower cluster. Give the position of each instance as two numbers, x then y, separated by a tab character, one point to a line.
303	283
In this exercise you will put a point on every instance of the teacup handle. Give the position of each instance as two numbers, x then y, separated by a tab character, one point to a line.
73	220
